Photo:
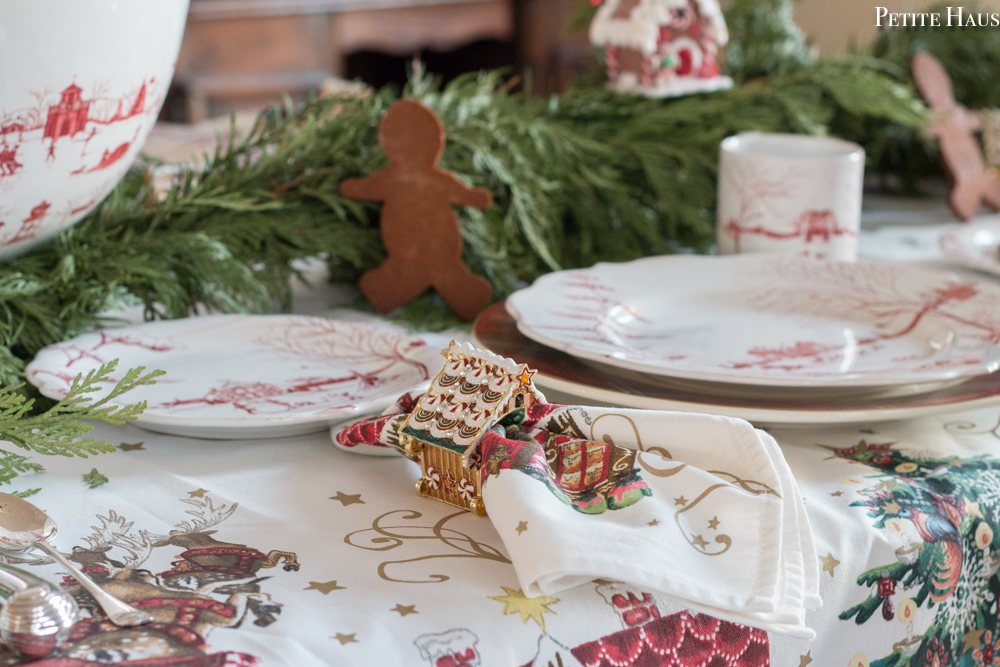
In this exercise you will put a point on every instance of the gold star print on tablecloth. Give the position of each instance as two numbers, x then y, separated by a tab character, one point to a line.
516	602
805	659
346	639
892	507
973	639
699	541
403	609
132	447
680	501
837	494
829	562
654	522
714	522
348	499
200	493
324	587
521	527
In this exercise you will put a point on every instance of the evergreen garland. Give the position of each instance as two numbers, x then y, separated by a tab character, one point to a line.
589	176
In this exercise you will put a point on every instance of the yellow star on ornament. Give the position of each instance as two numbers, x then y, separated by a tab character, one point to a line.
714	522
973	640
680	501
324	587
346	639
805	659
403	609
829	563
200	493
892	507
654	522
516	602
699	541
348	499
131	447
524	378
521	527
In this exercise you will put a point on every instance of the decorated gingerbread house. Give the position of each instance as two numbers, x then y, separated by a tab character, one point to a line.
473	391
661	48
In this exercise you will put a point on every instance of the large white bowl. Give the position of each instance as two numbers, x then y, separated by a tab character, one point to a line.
81	84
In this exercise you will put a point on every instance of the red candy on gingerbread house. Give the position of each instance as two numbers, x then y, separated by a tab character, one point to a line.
661	48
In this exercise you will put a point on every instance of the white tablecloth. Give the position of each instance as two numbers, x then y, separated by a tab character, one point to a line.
336	561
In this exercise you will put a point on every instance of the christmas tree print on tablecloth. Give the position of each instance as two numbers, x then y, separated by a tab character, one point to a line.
951	504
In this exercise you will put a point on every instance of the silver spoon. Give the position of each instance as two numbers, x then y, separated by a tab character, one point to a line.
23	526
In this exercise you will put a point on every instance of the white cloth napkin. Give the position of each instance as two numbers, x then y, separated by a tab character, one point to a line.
701	509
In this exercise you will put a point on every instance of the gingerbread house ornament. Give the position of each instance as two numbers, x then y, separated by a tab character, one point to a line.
473	391
661	48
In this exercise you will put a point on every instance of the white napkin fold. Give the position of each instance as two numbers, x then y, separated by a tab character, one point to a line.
698	508
723	529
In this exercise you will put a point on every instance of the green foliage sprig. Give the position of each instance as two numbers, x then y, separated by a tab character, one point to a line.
59	431
94	479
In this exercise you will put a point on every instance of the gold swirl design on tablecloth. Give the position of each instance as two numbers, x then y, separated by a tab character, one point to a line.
966	427
391	537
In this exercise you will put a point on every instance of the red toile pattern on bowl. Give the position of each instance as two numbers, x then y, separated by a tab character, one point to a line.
81	84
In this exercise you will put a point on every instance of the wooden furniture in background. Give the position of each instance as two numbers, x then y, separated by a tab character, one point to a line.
554	60
255	50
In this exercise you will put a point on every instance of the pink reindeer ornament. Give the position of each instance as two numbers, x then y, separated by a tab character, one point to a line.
972	183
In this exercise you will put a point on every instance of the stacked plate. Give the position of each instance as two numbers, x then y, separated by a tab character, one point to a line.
772	339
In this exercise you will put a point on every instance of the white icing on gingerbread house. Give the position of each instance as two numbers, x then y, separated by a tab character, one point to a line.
473	391
661	48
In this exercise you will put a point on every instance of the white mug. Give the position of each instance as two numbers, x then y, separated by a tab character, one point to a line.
790	193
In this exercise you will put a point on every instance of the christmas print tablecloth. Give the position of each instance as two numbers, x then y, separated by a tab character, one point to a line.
291	552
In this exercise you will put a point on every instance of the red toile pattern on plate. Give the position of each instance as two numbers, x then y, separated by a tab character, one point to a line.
768	320
249	372
589	381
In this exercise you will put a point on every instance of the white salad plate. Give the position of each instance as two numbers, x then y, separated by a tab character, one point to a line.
769	320
249	376
975	245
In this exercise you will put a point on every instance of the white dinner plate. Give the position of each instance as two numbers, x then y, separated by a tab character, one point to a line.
568	379
769	320
249	376
974	244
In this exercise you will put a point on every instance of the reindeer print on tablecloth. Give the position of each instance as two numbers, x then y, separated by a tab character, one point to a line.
211	584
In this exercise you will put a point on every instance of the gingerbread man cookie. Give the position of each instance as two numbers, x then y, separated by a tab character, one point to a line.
419	227
963	158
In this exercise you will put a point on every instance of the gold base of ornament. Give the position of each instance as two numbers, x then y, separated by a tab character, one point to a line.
445	476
